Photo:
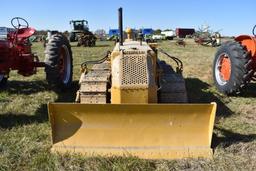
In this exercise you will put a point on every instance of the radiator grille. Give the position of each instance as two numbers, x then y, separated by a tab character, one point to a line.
134	70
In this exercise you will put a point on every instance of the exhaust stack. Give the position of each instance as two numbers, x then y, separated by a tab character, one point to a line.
120	22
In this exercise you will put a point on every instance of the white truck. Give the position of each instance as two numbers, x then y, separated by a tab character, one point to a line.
169	35
158	37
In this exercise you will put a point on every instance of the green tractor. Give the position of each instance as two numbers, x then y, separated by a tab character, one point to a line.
80	33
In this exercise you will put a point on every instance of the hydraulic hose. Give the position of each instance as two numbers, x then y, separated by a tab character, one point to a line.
84	64
179	63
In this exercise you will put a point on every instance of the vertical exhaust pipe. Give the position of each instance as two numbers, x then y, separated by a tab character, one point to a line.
120	23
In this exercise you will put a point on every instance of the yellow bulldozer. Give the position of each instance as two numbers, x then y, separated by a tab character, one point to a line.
130	103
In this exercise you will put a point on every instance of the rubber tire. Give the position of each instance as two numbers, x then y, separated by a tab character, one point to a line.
241	68
93	43
214	44
52	57
3	82
72	37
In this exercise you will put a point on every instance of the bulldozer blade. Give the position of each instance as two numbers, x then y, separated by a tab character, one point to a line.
149	131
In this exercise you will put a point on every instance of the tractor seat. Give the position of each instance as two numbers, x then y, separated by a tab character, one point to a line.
25	32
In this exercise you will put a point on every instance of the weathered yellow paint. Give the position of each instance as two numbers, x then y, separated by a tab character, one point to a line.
133	124
146	95
119	96
114	54
152	131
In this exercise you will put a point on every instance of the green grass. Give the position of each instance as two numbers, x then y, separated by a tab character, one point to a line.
25	131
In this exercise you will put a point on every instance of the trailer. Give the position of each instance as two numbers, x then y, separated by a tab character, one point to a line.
183	32
147	31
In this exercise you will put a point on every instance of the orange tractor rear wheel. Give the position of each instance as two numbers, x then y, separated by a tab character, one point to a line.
232	67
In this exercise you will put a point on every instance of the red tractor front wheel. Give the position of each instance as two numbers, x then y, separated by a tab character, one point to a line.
232	68
58	61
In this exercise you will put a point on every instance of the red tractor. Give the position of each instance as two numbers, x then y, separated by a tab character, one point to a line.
15	54
235	64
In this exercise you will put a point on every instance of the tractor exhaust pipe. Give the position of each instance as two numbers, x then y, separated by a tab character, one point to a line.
120	22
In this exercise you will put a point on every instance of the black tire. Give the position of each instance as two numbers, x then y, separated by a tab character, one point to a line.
214	43
169	38
3	81
240	65
79	43
72	37
58	60
93	43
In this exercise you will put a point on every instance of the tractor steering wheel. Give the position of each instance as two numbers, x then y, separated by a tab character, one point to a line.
18	22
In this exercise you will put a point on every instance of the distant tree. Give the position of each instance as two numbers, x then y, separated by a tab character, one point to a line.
157	31
40	32
100	33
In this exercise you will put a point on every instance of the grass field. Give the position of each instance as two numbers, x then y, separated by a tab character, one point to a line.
25	130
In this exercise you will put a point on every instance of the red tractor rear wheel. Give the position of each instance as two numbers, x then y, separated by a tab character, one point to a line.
232	68
58	60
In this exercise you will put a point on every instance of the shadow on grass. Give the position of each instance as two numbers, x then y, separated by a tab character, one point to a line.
230	138
30	87
25	87
249	91
198	93
66	95
10	120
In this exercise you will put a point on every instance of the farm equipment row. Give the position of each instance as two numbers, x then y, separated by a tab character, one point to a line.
130	102
207	39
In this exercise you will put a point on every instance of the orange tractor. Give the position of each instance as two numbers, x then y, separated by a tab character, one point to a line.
235	64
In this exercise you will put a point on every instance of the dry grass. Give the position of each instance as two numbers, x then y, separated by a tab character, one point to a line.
25	131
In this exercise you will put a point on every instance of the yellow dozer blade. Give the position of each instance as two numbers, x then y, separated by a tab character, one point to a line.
151	131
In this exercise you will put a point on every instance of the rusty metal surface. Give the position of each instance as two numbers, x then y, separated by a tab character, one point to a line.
94	85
